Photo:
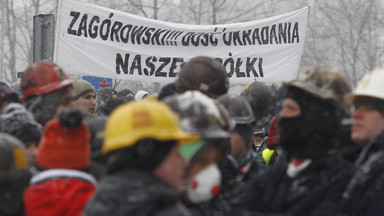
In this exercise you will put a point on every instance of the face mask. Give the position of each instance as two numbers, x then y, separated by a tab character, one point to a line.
205	185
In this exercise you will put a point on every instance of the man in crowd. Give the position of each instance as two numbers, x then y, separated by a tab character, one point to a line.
312	180
46	90
365	192
144	167
85	97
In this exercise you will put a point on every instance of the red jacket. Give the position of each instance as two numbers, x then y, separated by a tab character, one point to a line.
58	192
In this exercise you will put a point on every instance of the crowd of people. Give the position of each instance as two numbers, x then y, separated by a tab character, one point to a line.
313	146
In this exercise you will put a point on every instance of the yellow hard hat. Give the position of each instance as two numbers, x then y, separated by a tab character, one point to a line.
138	120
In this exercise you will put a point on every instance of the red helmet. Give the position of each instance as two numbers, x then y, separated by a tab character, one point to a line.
43	77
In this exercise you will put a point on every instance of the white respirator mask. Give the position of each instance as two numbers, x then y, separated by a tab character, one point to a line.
205	185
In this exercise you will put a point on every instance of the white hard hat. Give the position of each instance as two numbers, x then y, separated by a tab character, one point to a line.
371	85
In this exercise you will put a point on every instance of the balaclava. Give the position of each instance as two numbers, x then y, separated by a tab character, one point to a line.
312	133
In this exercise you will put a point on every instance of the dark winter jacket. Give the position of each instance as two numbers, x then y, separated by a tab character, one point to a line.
235	175
316	190
365	192
215	207
135	193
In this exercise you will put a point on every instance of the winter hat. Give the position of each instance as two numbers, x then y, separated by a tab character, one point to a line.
26	132
18	122
106	94
124	92
65	143
273	135
167	90
6	94
110	105
81	88
140	95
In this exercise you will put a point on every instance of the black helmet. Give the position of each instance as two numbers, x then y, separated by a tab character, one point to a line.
201	114
238	108
262	99
204	74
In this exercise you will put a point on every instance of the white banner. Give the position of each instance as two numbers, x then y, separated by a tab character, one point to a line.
97	41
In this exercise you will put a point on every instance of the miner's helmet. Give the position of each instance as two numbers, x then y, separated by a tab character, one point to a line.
204	74
13	159
325	83
147	119
41	78
201	114
371	85
262	99
239	108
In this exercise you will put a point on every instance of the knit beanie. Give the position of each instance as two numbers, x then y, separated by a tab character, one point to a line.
81	88
25	131
65	143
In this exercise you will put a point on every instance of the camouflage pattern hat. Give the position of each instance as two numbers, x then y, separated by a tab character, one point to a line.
325	83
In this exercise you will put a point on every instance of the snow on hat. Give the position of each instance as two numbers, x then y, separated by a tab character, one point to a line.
81	88
65	143
19	122
141	94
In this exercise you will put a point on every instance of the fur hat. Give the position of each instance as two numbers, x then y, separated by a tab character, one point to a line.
65	143
81	88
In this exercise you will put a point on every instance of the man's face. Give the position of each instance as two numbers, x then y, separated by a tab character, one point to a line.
290	109
238	147
31	147
171	169
367	124
201	160
87	103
